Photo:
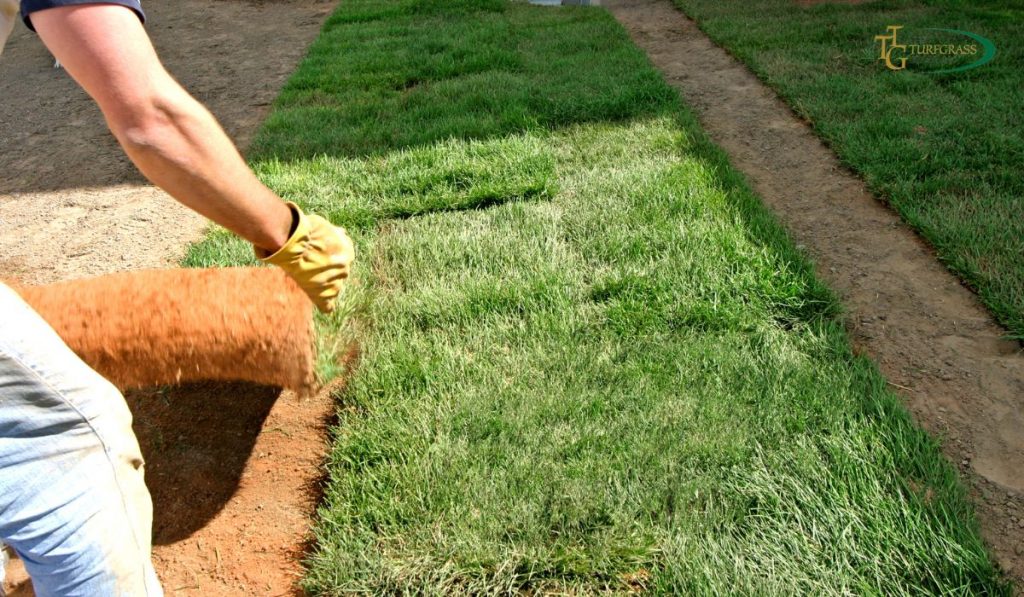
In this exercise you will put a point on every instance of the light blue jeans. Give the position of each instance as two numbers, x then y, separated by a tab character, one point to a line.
73	502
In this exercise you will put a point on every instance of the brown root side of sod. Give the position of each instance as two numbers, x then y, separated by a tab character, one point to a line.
234	469
931	337
168	327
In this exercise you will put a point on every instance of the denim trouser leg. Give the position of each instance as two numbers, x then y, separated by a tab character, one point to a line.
73	502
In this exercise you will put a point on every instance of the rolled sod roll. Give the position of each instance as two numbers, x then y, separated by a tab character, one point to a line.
160	327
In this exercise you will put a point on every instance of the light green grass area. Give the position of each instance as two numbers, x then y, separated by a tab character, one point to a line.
590	359
945	150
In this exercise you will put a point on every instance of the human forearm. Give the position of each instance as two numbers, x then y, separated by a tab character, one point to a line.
178	145
173	140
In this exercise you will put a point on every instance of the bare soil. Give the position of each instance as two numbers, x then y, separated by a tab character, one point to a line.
234	469
931	337
235	474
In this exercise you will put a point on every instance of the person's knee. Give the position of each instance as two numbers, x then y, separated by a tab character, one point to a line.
100	564
96	539
73	500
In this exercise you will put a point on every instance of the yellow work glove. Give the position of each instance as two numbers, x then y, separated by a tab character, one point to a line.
318	256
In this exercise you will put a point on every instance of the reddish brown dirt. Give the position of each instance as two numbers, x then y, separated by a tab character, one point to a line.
234	484
233	469
930	336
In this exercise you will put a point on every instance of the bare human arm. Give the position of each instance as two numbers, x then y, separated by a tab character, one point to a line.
178	145
173	140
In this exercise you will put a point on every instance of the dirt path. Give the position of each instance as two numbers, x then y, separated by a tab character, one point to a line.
930	336
233	469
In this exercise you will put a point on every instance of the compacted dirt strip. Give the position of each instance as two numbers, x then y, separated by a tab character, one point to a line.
233	469
932	339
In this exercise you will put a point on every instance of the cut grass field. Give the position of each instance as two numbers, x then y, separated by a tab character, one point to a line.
944	150
591	361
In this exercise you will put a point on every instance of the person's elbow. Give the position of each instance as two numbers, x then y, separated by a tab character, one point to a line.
157	122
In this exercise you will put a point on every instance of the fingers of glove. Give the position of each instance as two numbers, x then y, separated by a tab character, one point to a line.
327	263
330	243
318	257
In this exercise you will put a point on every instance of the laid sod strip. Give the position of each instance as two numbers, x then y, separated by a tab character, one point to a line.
590	359
391	75
944	150
634	386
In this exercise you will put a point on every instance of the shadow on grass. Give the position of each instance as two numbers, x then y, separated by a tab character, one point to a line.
418	107
383	77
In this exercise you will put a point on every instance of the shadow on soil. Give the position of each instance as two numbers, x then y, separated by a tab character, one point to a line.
196	440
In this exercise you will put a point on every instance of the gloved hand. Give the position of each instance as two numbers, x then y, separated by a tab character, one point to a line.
318	256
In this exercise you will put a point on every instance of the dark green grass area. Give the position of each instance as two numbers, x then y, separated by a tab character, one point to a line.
945	150
387	76
591	361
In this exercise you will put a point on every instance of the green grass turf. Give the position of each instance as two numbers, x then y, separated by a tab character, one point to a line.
591	361
945	150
